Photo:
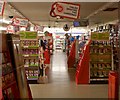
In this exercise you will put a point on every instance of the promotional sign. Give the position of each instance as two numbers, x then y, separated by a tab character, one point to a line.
10	29
2	5
39	28
20	22
28	35
65	10
100	36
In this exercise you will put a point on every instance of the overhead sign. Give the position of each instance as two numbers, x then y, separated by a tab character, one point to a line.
2	5
65	10
38	28
23	22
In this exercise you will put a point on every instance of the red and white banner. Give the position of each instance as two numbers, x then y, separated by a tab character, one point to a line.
38	28
23	22
10	29
2	5
65	10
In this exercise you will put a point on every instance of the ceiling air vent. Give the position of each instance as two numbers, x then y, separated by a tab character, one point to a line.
110	9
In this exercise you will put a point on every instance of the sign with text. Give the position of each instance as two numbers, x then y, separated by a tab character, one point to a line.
66	10
20	22
38	28
2	5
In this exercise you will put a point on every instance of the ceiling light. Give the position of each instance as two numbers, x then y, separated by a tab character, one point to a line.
5	21
3	28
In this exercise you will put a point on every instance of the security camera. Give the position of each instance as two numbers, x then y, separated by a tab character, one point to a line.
10	17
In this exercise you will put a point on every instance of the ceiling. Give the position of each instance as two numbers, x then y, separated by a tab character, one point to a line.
38	13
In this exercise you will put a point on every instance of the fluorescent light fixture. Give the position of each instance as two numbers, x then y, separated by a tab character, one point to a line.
3	28
5	21
60	30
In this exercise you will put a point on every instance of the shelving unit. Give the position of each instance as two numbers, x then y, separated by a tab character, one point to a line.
9	83
100	57
59	43
114	39
13	74
30	50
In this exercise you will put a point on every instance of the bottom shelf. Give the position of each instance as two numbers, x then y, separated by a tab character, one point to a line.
99	81
32	80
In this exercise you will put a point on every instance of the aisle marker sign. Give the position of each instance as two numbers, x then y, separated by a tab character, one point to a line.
23	22
2	5
66	10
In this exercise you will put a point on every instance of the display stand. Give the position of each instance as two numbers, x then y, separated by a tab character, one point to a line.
44	59
10	89
113	86
71	58
29	43
17	73
100	57
82	71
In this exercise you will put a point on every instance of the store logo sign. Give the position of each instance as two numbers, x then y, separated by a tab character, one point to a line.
65	10
20	22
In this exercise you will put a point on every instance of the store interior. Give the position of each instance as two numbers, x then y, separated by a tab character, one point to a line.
48	53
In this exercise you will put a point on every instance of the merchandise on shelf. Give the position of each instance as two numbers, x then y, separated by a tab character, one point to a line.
30	51
59	42
13	76
100	57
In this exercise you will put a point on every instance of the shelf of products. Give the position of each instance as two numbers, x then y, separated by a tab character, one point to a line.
59	43
114	39
8	77
100	57
30	52
13	75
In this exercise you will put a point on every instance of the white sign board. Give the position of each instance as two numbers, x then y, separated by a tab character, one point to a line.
20	22
66	10
2	4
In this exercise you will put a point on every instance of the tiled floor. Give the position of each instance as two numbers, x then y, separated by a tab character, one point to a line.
62	83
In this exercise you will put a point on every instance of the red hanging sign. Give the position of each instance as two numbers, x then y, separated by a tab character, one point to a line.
2	5
23	22
65	10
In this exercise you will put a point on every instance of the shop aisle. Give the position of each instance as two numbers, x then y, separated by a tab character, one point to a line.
62	83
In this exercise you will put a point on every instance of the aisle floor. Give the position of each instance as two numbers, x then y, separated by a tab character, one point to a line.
62	83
